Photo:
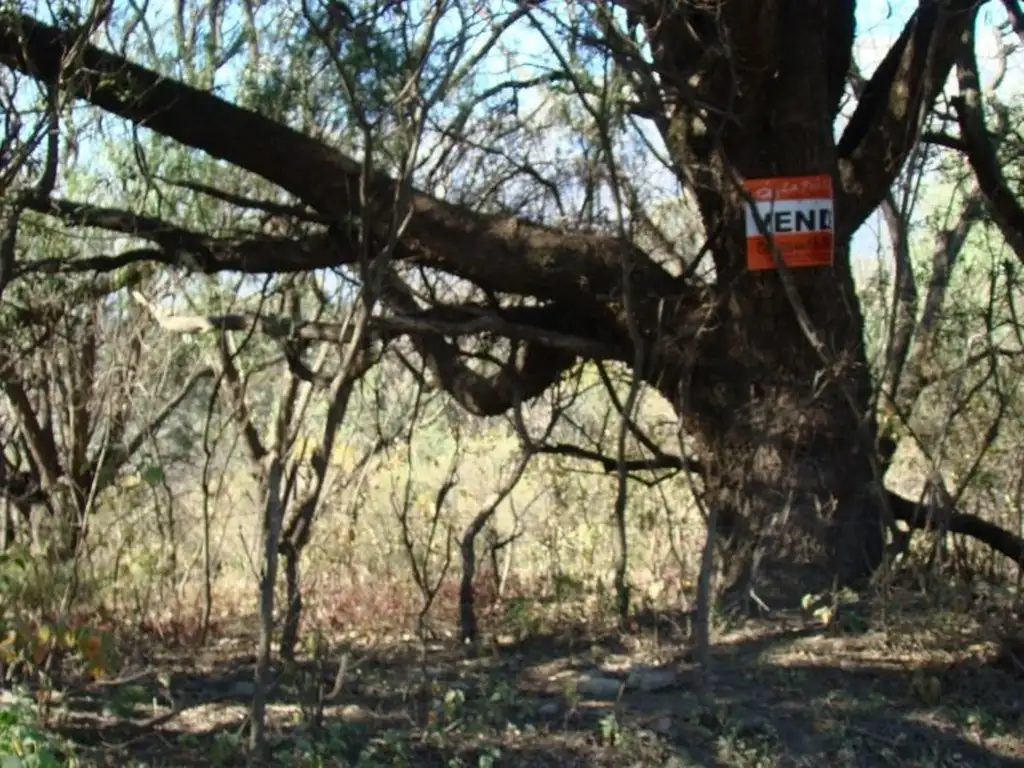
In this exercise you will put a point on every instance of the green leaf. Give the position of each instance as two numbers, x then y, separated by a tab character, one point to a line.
153	476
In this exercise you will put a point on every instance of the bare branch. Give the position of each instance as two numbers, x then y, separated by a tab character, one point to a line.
943	140
532	324
889	116
236	387
1013	10
944	258
904	306
1004	206
610	463
922	517
117	455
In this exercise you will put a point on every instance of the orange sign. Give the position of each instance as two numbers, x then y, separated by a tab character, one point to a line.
798	211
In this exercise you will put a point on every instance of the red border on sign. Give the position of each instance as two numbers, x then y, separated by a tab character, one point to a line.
813	249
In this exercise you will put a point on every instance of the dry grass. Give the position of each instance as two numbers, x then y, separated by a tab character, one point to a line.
888	683
911	679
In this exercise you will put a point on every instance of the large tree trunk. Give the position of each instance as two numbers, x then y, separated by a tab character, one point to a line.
788	467
782	423
786	450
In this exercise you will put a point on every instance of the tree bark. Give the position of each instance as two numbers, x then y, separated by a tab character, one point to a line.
293	603
467	599
786	450
273	519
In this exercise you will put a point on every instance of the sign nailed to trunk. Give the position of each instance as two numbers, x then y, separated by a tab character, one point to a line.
798	211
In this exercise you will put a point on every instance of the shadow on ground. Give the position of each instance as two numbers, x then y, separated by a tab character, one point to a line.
785	692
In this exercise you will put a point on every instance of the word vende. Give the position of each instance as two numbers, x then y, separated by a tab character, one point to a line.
798	212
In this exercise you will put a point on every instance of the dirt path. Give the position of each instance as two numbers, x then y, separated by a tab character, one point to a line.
786	693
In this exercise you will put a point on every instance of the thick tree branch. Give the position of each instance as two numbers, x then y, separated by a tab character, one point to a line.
258	253
252	253
522	378
1003	205
921	517
943	140
887	122
495	251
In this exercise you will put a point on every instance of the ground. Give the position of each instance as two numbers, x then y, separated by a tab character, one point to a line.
880	686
